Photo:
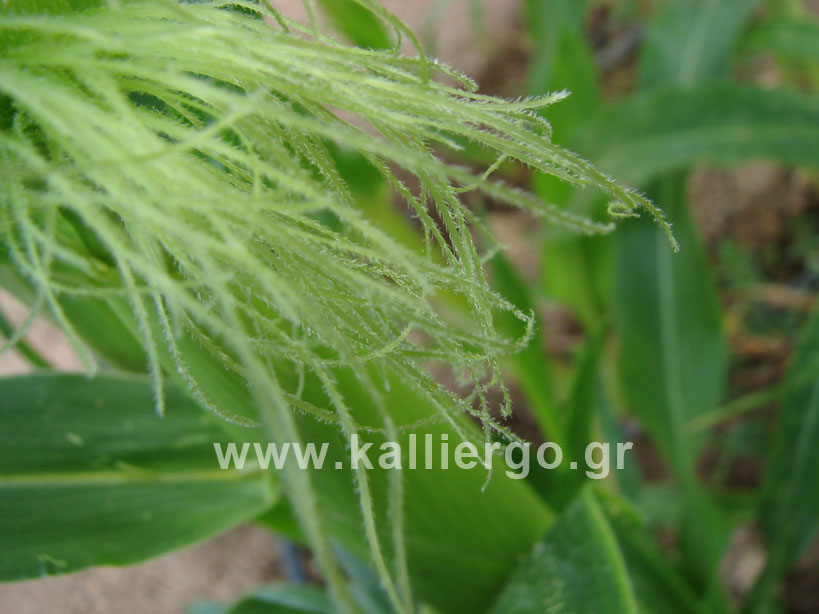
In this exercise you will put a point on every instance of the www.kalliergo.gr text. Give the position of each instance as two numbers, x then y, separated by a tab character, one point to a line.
424	453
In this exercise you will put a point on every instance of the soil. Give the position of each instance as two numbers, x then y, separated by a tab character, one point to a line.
219	570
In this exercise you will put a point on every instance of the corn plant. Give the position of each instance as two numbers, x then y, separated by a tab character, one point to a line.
186	193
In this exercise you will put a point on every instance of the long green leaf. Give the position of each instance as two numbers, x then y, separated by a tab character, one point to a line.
672	355
549	22
680	342
583	392
563	60
669	129
584	400
577	568
90	475
673	359
660	589
532	363
571	265
690	41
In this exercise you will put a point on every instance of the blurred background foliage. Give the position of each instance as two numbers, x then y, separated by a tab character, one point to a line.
708	357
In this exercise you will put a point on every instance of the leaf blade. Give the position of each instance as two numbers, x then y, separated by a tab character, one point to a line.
569	571
688	44
76	493
673	128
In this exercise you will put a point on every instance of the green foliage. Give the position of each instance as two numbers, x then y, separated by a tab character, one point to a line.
659	325
790	504
197	123
667	315
198	193
357	23
657	585
577	568
532	366
171	164
88	477
461	534
666	130
789	37
688	42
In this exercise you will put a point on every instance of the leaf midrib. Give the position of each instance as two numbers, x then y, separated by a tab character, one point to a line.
695	44
670	354
103	478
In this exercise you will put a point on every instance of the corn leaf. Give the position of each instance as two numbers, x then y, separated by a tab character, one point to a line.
658	586
690	41
672	355
531	363
669	129
673	358
90	475
577	568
